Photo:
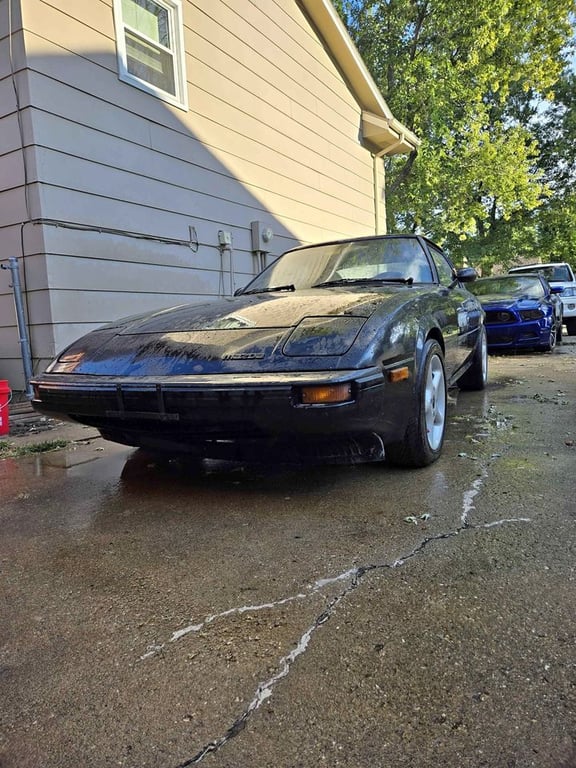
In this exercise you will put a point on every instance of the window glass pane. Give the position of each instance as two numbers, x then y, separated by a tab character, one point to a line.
149	18
445	271
149	63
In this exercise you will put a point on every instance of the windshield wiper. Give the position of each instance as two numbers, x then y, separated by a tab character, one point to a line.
355	280
289	287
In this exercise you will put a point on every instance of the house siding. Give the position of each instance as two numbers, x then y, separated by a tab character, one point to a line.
136	190
13	207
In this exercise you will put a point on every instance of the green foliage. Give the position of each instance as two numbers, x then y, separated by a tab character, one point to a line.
471	79
555	128
557	230
12	450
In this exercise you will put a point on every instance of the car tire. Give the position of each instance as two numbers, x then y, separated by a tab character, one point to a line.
570	326
551	343
560	331
476	377
424	436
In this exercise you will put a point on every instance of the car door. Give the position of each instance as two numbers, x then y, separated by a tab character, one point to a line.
464	313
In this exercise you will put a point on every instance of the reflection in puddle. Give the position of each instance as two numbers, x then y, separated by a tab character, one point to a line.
59	490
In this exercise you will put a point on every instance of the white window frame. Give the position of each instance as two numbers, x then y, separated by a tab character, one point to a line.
177	52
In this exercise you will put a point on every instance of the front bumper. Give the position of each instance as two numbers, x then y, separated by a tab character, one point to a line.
230	415
526	334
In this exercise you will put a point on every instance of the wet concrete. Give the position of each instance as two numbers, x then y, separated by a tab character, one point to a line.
361	616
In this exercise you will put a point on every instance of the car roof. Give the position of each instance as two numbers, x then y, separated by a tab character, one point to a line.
364	238
537	275
539	266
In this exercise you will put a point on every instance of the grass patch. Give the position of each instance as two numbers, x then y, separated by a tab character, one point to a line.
11	451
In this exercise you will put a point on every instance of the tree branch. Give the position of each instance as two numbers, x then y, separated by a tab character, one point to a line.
404	173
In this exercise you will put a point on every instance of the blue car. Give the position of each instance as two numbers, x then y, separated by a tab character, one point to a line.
522	312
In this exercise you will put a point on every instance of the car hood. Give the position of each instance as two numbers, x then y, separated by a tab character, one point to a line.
263	332
507	302
264	310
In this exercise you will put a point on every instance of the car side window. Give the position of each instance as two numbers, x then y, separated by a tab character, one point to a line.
444	268
418	265
559	273
407	256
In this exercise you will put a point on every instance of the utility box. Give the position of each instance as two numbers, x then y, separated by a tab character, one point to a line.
262	235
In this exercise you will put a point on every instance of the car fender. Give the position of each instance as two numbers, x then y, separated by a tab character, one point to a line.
428	330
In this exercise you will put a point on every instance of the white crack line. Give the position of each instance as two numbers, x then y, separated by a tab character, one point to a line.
354	577
468	505
313	589
504	522
265	689
468	497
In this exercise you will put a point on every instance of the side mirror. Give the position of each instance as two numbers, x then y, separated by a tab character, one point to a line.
466	275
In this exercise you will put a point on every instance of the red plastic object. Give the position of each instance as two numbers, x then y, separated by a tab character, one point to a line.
5	394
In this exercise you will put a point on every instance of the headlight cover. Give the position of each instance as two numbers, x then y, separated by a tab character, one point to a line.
323	336
531	314
74	355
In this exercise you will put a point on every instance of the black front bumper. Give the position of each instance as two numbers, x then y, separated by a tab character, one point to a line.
233	416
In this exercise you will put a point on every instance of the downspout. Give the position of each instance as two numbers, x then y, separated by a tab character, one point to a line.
375	157
21	320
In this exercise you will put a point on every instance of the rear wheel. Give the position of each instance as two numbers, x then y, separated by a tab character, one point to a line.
424	437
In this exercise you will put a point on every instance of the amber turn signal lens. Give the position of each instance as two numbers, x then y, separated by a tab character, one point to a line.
322	395
398	374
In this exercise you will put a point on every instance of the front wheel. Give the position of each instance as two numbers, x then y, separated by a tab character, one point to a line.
476	377
424	437
570	324
551	343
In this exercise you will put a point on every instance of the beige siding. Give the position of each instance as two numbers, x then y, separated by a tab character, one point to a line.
264	76
271	134
12	198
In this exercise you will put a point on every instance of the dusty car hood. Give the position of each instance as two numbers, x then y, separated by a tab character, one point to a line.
246	333
265	310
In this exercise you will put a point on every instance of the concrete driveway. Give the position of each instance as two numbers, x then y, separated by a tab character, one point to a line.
359	616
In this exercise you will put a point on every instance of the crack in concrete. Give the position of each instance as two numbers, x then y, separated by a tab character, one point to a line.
265	689
468	505
354	577
314	588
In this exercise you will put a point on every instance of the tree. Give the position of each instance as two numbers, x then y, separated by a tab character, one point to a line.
555	129
467	78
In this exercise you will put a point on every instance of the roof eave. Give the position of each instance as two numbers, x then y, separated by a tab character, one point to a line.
388	136
379	126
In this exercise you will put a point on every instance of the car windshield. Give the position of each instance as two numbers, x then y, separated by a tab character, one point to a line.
552	272
378	260
517	286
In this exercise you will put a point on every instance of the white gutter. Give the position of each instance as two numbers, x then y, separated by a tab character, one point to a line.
379	126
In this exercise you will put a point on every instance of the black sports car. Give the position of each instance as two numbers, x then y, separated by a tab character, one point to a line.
341	351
